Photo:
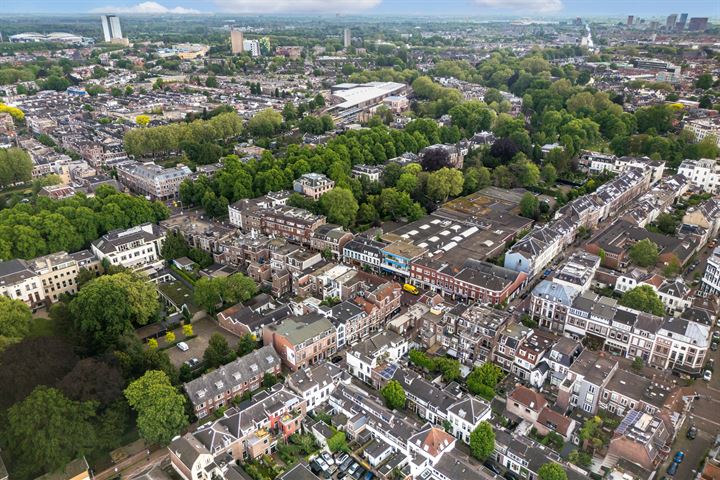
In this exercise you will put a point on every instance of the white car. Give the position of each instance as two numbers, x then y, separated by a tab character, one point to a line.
183	346
707	375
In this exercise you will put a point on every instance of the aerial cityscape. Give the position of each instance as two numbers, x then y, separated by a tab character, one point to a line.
359	240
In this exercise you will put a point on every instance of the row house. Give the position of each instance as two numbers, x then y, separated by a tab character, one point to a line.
18	281
330	238
523	457
616	194
628	391
656	201
302	341
528	365
217	388
58	272
200	232
364	252
710	282
294	224
531	406
585	381
476	280
705	215
510	340
471	333
316	384
704	174
398	257
243	433
375	356
560	358
134	248
641	438
253	315
681	345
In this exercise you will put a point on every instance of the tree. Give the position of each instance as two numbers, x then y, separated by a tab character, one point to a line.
152	344
483	380
338	442
31	362
269	379
35	425
549	175
704	81
339	206
529	205
552	471
15	318
644	253
170	337
476	178
174	246
187	330
218	351
444	183
211	81
394	395
109	306
246	344
265	123
638	364
15	166
482	441
160	408
142	120
435	158
289	112
93	380
644	299
666	223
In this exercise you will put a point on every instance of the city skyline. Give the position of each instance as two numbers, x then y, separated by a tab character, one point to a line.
556	8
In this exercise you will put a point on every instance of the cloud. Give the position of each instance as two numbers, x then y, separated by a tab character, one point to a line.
521	6
291	6
146	8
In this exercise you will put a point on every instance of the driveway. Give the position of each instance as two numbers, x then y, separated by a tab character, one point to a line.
695	450
203	329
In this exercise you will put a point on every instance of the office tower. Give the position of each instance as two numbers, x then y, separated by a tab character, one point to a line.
630	20
347	38
698	24
670	22
654	25
680	25
111	27
236	41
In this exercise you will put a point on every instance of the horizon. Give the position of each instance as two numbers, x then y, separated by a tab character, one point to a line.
369	8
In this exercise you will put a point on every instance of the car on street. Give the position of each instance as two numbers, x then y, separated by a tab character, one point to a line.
673	468
707	376
679	456
492	467
336	359
183	346
692	432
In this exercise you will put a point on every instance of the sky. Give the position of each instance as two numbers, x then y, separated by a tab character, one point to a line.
557	8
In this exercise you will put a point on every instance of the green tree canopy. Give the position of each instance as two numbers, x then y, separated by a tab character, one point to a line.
644	253
218	351
529	205
643	298
340	206
160	408
35	427
482	441
15	318
552	471
394	395
109	306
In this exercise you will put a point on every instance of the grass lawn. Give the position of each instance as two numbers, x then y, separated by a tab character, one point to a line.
42	327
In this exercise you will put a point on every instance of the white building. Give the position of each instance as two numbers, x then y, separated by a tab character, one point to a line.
134	248
703	174
711	279
704	127
252	46
18	281
384	347
111	27
315	384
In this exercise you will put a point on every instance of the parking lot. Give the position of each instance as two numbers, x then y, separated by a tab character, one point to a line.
203	329
694	450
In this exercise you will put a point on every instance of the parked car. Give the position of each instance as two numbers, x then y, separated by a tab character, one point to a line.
673	468
492	467
369	476
315	467
346	463
679	456
192	363
359	473
341	475
328	458
714	346
692	432
337	359
341	459
707	376
353	468
510	476
183	346
323	464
